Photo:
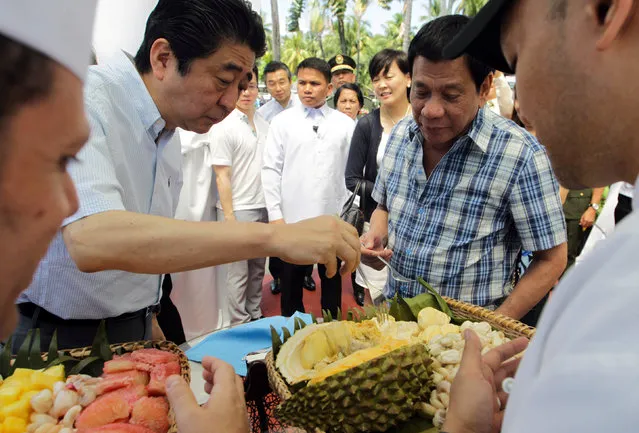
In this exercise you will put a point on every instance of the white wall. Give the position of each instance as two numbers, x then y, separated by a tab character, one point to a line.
120	25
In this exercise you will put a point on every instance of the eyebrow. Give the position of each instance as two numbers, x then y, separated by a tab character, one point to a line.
232	67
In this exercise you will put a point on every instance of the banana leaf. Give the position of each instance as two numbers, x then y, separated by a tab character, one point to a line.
277	343
401	311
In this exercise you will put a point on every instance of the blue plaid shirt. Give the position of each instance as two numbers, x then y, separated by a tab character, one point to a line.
462	228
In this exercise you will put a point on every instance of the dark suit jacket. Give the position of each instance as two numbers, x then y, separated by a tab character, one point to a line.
363	155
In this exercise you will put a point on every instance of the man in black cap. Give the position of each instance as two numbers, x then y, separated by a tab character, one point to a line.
343	71
576	64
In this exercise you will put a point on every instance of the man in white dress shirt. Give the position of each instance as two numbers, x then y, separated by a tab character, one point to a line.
303	174
277	78
107	260
574	61
237	145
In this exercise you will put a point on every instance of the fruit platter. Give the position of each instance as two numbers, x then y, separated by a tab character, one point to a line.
99	389
387	368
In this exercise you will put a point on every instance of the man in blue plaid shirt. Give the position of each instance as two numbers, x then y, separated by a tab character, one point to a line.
462	190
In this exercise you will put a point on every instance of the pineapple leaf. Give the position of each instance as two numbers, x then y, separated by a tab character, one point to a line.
100	346
35	358
53	348
22	358
277	343
5	359
82	365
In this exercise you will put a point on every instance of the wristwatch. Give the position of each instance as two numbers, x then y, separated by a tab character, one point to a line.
595	206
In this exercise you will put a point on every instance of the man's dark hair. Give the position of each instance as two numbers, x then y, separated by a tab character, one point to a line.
317	64
197	28
26	76
383	61
349	86
435	35
275	66
256	74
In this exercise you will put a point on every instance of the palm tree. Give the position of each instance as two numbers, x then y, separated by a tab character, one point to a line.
296	49
393	31
275	22
407	13
319	24
471	7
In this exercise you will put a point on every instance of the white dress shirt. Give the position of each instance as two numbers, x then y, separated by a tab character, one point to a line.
581	371
303	171
127	164
272	108
234	144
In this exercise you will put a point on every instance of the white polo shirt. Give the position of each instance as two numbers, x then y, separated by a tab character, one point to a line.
235	144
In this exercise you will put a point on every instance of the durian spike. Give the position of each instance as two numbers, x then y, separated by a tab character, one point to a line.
349	315
325	316
299	324
287	334
277	343
330	316
339	314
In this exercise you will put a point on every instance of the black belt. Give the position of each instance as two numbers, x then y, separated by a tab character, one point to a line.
29	309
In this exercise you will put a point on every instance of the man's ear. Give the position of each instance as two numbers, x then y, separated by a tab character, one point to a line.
330	88
612	16
484	90
161	58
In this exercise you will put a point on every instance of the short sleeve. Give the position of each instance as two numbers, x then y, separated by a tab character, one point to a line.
536	206
221	147
94	174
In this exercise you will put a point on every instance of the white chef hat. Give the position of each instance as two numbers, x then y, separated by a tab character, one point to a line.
60	29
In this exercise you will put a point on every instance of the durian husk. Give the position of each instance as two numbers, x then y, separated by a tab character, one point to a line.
372	396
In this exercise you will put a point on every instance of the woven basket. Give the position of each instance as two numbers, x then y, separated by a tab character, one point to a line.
166	346
510	327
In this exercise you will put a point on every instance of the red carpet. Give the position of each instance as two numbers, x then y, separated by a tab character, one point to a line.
271	302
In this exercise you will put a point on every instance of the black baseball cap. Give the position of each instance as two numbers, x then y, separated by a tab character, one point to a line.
480	38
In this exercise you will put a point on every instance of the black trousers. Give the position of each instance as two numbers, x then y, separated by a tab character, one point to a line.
275	268
79	333
623	209
169	318
292	280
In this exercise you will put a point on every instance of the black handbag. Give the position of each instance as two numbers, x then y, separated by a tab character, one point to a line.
353	214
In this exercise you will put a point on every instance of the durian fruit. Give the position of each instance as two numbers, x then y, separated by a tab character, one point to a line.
429	316
372	389
318	345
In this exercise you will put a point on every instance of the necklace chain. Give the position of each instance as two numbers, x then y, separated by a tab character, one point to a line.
388	116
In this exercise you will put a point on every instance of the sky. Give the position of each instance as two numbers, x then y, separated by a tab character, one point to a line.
375	15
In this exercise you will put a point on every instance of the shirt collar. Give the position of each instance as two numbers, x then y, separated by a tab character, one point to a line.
314	113
142	101
479	132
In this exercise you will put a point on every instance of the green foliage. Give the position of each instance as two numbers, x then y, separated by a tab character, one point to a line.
29	355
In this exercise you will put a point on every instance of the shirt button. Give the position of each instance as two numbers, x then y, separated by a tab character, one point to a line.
409	251
420	211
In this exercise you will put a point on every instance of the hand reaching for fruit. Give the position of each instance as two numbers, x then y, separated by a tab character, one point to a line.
225	409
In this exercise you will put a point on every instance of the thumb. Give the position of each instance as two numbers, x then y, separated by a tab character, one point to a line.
181	399
471	362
